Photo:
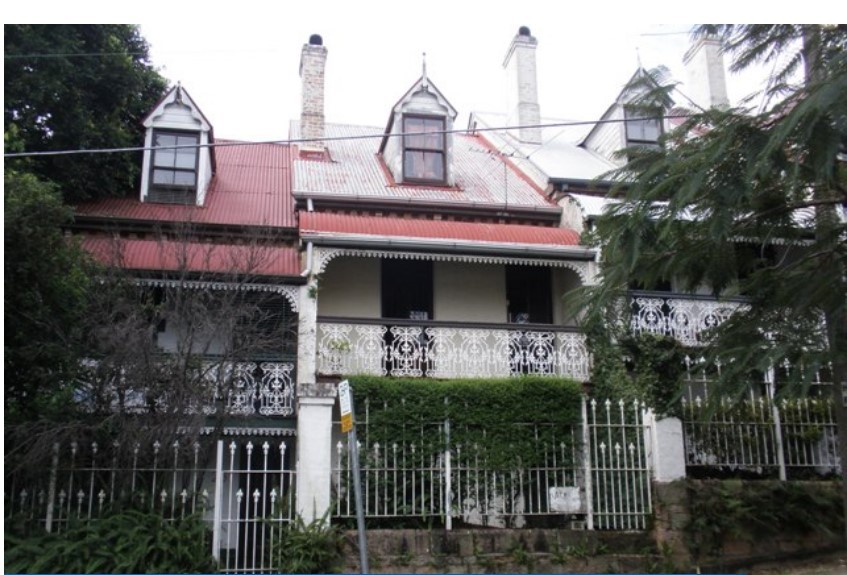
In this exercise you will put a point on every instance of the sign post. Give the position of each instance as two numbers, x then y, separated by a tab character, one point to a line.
348	425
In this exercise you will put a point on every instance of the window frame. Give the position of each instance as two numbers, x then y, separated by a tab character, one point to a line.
409	146
173	192
636	118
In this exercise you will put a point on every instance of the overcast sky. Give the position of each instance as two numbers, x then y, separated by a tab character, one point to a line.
239	60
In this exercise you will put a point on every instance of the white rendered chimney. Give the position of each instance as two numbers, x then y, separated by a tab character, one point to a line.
522	87
312	66
706	74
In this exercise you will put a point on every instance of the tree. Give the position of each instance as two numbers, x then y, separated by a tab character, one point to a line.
46	286
148	357
746	202
71	87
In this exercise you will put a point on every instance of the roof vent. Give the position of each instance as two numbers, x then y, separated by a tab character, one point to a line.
524	31
316	40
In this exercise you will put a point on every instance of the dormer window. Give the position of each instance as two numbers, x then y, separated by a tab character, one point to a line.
174	167
418	146
179	154
642	128
424	153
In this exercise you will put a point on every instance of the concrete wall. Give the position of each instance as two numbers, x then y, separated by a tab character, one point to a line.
564	282
462	292
469	292
350	287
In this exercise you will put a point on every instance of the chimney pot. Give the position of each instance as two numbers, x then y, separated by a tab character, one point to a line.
312	68
522	87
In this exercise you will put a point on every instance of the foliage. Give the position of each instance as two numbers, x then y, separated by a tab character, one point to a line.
757	510
79	86
505	419
747	207
46	287
643	367
126	542
308	548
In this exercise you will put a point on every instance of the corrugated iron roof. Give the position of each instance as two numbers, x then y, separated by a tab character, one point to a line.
169	255
252	187
339	225
559	156
482	175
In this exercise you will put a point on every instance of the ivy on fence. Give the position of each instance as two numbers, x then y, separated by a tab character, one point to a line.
502	419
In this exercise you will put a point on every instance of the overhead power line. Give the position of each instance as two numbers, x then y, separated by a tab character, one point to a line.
290	141
72	55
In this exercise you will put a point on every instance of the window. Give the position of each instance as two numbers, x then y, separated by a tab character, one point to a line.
423	149
407	291
174	167
643	127
530	294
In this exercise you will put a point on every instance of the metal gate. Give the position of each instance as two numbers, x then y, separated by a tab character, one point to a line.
254	500
616	465
595	475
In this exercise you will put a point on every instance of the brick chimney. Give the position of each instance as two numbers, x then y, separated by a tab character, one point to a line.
312	65
706	74
522	87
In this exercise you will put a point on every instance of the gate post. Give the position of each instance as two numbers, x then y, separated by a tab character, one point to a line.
314	415
770	382
448	479
586	466
51	489
218	509
665	445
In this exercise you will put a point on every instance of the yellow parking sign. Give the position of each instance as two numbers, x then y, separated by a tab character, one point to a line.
345	403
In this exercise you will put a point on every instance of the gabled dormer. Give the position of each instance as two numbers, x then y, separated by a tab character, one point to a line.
627	122
418	143
178	161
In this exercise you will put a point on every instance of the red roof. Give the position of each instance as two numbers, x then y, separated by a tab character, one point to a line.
327	224
252	187
153	255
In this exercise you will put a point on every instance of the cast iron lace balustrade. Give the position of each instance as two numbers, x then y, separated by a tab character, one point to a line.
431	350
683	318
237	388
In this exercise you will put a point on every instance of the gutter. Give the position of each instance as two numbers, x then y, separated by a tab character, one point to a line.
546	212
452	246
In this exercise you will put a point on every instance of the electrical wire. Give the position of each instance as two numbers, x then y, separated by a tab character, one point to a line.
291	141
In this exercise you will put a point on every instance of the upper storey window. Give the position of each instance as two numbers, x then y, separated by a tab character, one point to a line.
174	166
424	151
642	128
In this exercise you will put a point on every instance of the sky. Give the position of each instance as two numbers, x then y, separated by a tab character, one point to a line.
240	60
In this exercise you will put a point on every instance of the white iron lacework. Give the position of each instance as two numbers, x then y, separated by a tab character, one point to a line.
682	319
290	292
444	352
325	255
276	394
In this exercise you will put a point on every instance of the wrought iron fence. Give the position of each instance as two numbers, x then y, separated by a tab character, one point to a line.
594	474
244	490
762	436
430	350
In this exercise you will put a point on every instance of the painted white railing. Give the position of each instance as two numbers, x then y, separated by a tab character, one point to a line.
678	316
349	348
762	436
595	473
235	388
243	488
